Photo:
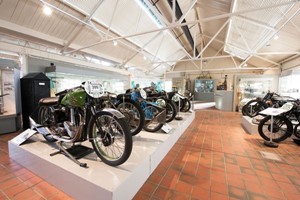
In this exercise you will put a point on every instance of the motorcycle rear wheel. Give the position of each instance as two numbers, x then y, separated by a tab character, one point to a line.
134	115
47	119
111	140
282	128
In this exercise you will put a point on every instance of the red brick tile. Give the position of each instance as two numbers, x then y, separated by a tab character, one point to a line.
219	187
281	178
218	196
149	187
12	191
162	193
254	188
183	187
237	193
200	193
9	183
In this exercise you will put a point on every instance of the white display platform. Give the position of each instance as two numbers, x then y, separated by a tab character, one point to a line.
100	181
248	125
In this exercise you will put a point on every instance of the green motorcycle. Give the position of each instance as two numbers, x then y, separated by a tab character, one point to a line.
71	117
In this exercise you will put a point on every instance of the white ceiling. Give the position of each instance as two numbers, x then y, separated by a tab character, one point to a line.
240	31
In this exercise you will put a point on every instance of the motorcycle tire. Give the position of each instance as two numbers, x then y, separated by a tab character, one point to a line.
153	127
110	138
187	106
150	124
282	128
171	111
297	141
134	115
253	107
48	119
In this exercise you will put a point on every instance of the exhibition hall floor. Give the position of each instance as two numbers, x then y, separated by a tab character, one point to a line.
214	159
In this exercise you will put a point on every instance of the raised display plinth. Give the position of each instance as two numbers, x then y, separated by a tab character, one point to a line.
248	125
100	181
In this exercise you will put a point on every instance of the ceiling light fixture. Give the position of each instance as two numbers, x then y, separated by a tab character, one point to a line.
115	43
276	37
47	10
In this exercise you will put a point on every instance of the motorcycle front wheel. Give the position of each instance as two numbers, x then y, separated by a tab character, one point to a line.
171	111
186	105
152	124
134	115
253	107
110	138
282	128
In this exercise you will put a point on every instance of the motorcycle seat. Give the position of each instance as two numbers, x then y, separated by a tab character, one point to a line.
49	101
126	96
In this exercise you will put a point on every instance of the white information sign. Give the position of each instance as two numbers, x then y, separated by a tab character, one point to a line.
22	137
166	128
94	88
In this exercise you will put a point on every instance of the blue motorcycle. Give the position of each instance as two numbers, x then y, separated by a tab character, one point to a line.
155	113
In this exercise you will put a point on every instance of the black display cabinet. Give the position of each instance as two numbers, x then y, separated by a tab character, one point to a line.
34	86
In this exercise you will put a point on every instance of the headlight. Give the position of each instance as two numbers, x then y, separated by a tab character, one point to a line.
143	94
161	102
176	98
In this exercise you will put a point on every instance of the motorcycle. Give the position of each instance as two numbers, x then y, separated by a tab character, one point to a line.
134	114
171	109
271	99
181	100
155	114
71	118
284	125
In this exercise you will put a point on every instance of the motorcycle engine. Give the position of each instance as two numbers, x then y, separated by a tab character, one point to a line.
71	128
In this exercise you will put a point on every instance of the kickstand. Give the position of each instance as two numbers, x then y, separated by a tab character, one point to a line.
62	150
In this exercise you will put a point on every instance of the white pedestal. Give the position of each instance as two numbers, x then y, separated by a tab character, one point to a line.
100	181
248	125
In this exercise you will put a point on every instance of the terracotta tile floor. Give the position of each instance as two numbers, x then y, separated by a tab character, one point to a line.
214	159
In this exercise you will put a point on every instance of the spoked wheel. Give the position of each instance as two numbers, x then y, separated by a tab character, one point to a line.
282	128
110	137
134	115
151	123
47	119
171	111
186	105
253	107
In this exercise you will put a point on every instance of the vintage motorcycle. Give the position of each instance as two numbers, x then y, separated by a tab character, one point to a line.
155	113
171	108
271	99
71	118
284	125
182	102
134	114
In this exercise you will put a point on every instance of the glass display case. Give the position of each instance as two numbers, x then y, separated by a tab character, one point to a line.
10	120
60	81
7	92
289	85
204	90
248	88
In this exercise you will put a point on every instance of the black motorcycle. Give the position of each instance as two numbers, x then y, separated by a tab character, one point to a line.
283	126
271	99
171	109
71	118
134	114
182	102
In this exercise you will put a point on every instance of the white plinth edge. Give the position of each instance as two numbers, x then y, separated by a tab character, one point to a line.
100	181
